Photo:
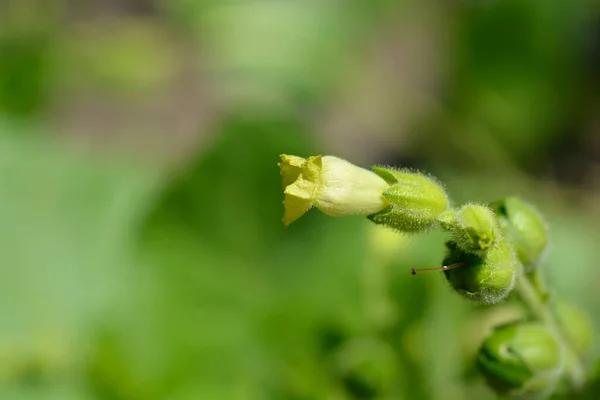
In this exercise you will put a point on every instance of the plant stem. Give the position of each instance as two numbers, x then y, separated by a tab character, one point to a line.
537	280
537	306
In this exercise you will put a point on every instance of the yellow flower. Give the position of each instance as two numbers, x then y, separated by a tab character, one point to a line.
331	184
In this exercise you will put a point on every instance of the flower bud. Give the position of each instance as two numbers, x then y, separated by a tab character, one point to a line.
522	359
331	184
474	227
575	325
486	278
366	366
416	200
524	228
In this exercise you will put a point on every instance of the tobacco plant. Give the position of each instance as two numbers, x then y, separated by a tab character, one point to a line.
493	250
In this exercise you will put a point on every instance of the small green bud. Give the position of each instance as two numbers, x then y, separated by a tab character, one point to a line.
486	278
447	219
522	359
575	325
416	200
524	228
474	228
330	184
366	366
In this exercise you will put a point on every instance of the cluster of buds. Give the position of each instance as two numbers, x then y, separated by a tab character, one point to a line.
490	247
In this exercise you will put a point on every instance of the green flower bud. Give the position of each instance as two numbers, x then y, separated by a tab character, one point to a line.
416	200
524	228
575	325
486	278
522	359
474	227
366	366
447	219
330	184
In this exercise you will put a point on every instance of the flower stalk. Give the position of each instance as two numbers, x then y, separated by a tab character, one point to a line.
538	310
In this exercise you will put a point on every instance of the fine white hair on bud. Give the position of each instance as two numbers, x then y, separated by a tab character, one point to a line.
334	186
487	278
474	227
416	200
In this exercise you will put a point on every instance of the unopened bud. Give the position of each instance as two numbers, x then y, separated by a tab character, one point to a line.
474	227
523	360
415	200
486	278
576	326
334	186
366	366
524	228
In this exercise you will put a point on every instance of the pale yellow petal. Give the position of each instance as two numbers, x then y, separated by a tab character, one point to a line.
298	200
346	189
312	169
290	167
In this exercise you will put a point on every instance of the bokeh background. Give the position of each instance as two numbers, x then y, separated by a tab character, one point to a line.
141	247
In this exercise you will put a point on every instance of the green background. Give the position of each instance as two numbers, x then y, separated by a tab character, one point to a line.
141	245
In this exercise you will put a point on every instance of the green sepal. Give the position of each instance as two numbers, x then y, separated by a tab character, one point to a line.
447	219
398	219
388	175
474	227
401	220
416	200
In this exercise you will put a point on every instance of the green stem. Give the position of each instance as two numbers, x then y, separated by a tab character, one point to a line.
537	280
537	307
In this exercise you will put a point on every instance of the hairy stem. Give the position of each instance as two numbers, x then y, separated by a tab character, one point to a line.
535	301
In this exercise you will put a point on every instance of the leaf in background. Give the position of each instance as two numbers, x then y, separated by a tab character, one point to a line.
271	52
67	223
